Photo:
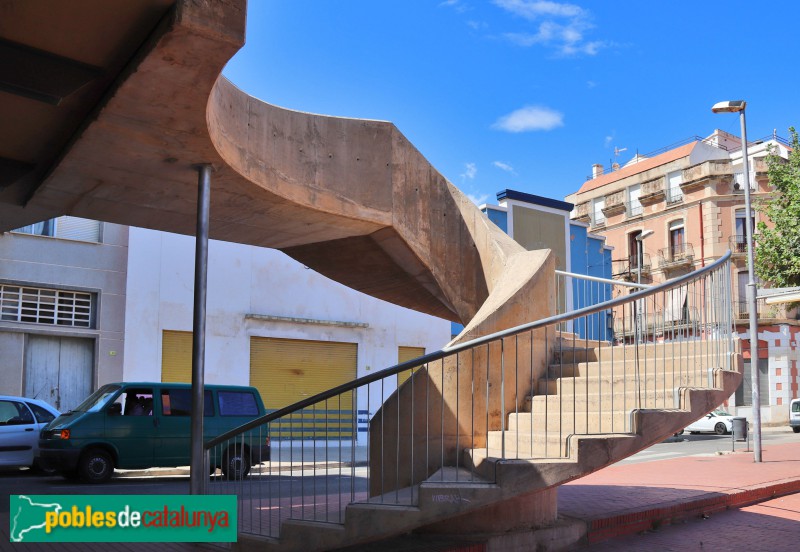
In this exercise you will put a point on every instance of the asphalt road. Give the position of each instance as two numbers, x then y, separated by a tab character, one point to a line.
703	444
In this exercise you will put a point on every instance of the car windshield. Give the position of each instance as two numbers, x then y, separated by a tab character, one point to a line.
98	399
720	413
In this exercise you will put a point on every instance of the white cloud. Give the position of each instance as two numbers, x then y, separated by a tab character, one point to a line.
591	84
533	9
504	167
478	199
608	141
457	5
470	170
560	26
530	118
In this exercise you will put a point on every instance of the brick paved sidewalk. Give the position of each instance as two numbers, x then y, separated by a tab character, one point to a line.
630	498
771	526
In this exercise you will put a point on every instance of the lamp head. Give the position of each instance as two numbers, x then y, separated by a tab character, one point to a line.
731	106
645	234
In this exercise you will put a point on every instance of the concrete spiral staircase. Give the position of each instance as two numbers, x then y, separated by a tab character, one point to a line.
352	199
512	482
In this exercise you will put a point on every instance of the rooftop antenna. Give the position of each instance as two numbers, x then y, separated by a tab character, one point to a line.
617	151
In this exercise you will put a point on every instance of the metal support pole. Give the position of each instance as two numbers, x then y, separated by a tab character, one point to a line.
751	298
198	475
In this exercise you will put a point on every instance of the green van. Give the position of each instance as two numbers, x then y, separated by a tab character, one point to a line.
145	425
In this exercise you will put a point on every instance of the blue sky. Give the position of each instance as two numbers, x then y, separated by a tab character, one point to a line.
525	94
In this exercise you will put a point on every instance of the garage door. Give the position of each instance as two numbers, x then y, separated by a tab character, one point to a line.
58	370
404	354
288	370
176	357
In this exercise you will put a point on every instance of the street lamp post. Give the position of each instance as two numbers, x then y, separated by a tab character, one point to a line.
738	106
638	311
639	251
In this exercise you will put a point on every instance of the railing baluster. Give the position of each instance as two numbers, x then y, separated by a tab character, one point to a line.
700	318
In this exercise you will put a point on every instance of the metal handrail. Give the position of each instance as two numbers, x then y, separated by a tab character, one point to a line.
483	340
519	393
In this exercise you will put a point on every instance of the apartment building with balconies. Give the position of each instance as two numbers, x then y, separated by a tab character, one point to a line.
685	204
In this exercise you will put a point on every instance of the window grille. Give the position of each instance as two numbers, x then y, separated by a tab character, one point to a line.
45	306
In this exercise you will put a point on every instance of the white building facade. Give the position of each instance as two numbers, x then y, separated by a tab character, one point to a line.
271	322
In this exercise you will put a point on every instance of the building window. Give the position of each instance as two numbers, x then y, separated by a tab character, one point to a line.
598	218
738	181
44	228
677	240
740	240
674	193
66	227
633	248
634	205
45	306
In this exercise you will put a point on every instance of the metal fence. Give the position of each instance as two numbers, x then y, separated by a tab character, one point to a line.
520	393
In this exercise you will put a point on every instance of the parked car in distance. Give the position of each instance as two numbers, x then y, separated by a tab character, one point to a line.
718	421
794	415
147	424
21	420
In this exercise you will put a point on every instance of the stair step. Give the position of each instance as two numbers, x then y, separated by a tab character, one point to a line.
663	350
688	365
616	401
577	421
619	383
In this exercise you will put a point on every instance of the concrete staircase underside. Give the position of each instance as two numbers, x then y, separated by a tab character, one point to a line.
500	489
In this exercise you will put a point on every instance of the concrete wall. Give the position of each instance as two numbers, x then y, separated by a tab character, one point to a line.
55	263
245	280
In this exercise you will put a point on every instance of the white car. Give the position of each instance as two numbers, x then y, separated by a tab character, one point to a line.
718	421
21	420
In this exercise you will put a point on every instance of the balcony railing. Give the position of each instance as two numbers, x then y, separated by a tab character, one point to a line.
634	208
627	269
741	312
738	244
599	219
674	196
675	256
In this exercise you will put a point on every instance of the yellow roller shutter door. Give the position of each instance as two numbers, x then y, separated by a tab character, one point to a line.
176	356
404	354
288	370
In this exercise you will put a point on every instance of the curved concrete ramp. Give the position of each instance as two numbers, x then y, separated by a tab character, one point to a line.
352	199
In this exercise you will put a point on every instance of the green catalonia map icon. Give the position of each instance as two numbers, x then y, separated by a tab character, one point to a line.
29	518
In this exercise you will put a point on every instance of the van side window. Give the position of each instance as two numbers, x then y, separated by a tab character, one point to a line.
178	402
237	403
134	402
796	406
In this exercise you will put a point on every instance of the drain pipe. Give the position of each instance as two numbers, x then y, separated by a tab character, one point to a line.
702	237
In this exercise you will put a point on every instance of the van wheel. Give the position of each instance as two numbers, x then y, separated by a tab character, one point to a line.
95	466
236	463
796	429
